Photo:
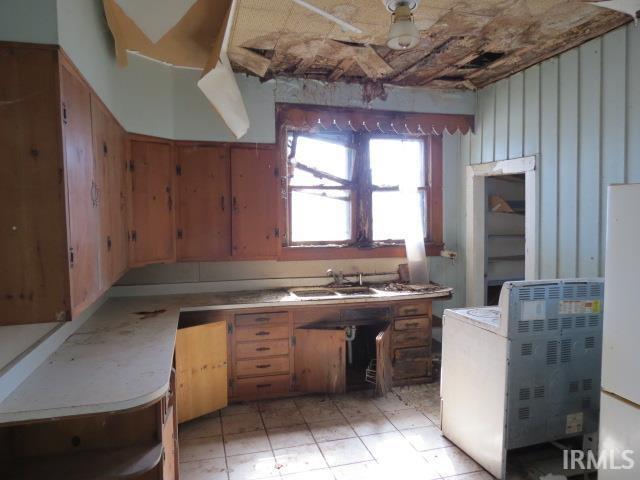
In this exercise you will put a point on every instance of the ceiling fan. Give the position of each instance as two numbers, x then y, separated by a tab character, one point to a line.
403	33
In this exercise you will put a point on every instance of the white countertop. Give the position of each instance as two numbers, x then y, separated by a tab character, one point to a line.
118	360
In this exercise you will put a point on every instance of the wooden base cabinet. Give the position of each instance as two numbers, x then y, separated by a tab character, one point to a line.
62	241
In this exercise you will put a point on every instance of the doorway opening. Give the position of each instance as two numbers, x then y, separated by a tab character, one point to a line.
502	227
504	233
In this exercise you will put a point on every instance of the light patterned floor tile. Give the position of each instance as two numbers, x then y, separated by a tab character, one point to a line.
410	418
320	412
214	469
388	445
201	448
360	471
277	405
451	461
243	422
371	424
282	418
246	442
343	452
335	429
426	438
322	474
290	436
252	466
390	403
299	459
239	408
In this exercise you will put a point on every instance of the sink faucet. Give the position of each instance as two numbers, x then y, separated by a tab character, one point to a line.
338	278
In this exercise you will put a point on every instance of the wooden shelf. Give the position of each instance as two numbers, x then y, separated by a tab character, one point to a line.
511	258
118	463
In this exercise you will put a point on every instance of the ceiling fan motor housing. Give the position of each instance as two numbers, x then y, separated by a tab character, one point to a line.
391	5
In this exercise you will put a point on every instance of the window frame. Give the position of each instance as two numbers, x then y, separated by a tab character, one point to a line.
432	151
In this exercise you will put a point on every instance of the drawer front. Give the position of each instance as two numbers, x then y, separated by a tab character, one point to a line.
266	332
267	348
411	362
269	318
412	338
302	316
413	309
262	366
411	323
251	388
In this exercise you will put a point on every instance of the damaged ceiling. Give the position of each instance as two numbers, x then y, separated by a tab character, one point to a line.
464	43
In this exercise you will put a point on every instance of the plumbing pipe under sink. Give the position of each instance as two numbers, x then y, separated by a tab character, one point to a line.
350	332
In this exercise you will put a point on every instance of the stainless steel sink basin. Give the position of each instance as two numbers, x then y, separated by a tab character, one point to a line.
317	293
312	292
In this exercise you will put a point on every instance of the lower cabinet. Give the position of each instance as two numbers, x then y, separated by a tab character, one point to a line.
136	444
305	349
201	364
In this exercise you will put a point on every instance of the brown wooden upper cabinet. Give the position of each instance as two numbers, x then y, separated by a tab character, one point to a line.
50	189
254	190
152	216
204	203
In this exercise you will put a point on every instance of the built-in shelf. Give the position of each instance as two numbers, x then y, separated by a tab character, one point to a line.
129	462
510	258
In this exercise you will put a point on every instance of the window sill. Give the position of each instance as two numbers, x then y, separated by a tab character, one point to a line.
323	252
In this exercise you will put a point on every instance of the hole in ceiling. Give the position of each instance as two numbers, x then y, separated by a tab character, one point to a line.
484	59
451	78
260	51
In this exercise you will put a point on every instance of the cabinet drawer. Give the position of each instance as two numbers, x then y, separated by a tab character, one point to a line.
412	309
262	366
411	323
303	316
266	332
269	318
249	388
411	362
267	348
412	338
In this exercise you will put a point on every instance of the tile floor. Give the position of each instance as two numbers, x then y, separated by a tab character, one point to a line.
343	437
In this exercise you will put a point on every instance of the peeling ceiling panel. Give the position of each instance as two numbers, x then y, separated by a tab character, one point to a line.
155	18
464	43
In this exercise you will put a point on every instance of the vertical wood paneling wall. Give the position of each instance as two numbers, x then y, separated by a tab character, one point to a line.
580	113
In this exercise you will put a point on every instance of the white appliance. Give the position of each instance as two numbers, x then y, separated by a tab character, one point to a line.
525	372
620	400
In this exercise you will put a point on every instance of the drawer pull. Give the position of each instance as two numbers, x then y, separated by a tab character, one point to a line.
412	324
262	319
262	333
266	365
263	385
262	349
410	311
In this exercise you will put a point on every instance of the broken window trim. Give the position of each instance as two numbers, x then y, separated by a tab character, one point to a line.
433	198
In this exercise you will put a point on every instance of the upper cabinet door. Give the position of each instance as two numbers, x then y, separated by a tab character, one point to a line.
204	203
152	211
254	187
82	190
118	191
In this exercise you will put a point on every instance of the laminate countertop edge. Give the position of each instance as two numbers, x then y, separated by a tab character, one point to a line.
121	357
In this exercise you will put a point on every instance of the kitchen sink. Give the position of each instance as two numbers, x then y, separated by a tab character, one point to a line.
317	293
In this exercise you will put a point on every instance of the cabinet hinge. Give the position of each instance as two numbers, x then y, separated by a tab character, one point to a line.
229	327
179	234
276	232
108	242
293	341
231	383
71	257
178	170
131	166
134	236
276	172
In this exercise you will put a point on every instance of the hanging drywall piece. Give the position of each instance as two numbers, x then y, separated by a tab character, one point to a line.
221	89
155	17
630	7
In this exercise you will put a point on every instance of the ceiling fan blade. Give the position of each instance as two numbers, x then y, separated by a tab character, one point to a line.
345	25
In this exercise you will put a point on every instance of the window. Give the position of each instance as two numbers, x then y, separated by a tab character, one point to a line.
357	189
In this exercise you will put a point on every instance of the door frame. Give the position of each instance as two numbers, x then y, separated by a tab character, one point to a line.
475	222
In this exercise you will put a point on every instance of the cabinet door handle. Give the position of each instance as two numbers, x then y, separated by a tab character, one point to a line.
412	324
64	113
410	311
263	385
264	365
262	333
234	203
262	319
262	349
